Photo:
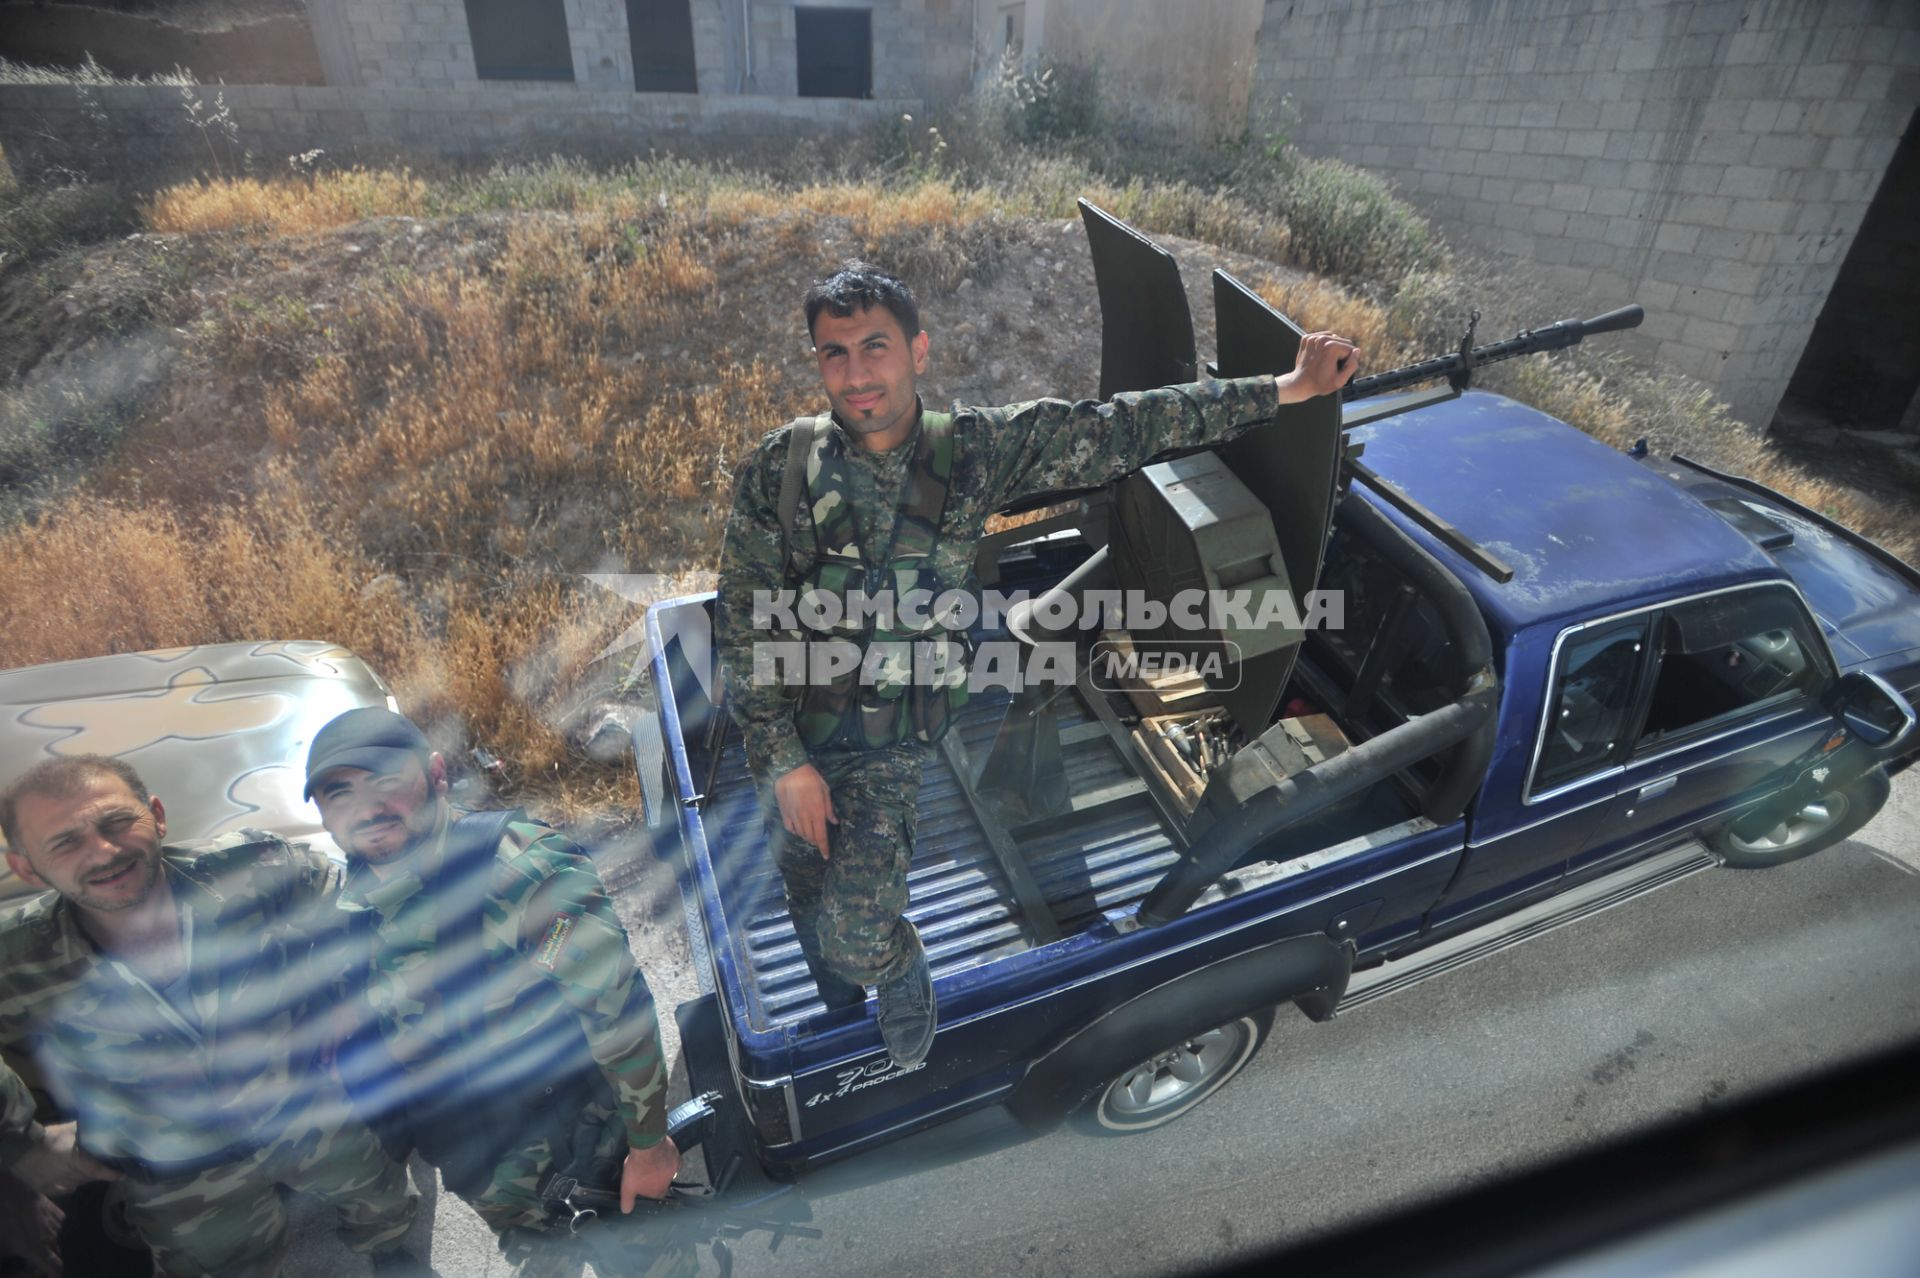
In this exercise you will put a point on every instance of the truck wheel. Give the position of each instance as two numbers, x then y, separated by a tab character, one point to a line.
1832	818
1159	1089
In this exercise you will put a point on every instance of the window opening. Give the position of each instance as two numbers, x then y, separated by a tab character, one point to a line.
1724	654
661	34
834	48
1599	670
520	39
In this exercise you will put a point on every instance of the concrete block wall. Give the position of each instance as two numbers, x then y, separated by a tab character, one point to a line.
602	49
717	47
1711	159
419	43
144	130
1182	69
922	49
427	43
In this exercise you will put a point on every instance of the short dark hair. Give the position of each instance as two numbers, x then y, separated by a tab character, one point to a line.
58	778
859	286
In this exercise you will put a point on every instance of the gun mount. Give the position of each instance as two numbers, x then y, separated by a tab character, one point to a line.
1255	515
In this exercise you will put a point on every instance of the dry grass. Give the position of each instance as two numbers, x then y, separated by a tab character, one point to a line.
104	576
287	206
434	464
423	468
477	417
452	450
1387	338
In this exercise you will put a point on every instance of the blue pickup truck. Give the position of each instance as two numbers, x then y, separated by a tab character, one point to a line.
1565	676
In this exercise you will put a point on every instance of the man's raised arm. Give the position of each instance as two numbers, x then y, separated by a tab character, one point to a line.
1050	445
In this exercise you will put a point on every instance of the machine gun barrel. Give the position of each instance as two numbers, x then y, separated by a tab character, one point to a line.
1458	367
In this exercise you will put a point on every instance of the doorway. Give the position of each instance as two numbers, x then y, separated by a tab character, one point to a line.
835	50
661	32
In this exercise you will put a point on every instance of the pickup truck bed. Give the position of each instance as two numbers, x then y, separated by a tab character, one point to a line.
1105	856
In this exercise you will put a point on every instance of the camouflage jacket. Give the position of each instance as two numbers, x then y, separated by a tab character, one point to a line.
147	1082
1001	455
550	948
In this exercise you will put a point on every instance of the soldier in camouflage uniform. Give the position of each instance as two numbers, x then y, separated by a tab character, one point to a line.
894	498
513	1034
170	999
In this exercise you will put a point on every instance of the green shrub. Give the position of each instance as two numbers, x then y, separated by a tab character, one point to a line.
1055	102
48	439
1348	223
36	220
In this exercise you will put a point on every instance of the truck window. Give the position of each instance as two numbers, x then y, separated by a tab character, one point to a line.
1725	654
1391	658
1392	650
1593	695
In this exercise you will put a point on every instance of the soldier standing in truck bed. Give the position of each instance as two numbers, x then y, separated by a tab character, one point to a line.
879	495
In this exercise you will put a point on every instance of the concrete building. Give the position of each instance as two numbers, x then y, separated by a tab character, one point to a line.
482	79
892	49
1747	169
1182	68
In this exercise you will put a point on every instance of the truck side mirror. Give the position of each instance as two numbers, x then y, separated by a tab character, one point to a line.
1871	710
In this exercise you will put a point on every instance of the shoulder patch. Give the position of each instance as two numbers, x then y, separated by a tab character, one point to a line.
554	943
536	849
529	855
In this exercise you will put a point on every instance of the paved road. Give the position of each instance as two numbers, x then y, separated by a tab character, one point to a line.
1709	989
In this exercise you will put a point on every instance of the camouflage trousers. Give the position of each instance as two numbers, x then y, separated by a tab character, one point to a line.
849	908
228	1221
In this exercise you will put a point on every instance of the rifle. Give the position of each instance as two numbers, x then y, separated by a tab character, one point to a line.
691	1214
1458	366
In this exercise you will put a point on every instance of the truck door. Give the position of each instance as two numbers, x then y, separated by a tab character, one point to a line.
1592	697
1731	704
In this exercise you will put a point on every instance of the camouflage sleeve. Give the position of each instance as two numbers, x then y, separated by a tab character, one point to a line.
288	878
1049	444
19	1133
558	916
750	561
20	1007
316	877
294	884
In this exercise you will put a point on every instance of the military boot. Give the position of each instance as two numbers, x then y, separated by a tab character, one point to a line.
906	1013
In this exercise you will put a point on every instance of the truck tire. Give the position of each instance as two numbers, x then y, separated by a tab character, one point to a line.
1157	1090
1834	817
1081	1071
